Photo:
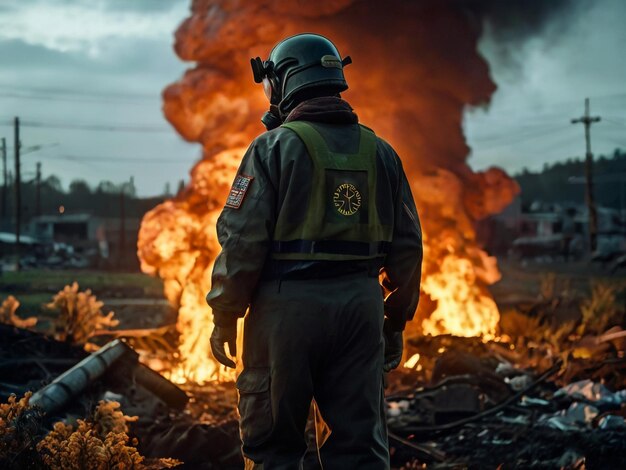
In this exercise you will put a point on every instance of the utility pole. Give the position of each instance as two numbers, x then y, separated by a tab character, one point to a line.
122	234
38	190
18	194
587	120
4	179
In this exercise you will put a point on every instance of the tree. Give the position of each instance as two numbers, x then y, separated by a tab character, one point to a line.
80	188
54	183
107	187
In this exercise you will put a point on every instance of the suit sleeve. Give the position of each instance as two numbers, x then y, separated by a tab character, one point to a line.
403	264
244	234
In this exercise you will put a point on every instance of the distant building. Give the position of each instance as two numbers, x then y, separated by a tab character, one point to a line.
110	236
552	229
79	230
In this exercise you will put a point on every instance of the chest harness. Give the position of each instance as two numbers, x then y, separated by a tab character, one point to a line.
341	220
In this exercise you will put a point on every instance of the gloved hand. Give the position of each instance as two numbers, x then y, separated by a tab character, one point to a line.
394	344
219	337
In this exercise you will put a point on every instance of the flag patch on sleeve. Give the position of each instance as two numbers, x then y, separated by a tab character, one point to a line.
238	191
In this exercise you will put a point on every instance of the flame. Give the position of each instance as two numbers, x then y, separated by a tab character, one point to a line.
410	81
412	361
455	287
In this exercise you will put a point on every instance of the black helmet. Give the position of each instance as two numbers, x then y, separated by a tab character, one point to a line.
303	62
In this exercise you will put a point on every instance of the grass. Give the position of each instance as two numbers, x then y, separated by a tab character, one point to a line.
34	288
48	281
32	303
41	279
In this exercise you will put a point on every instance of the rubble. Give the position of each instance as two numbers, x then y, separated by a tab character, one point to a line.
483	404
30	361
541	394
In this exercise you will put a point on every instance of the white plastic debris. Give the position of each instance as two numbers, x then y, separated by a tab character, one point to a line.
518	383
612	422
530	401
577	416
592	391
505	369
396	408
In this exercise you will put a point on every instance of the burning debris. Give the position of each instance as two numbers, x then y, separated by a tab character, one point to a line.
543	394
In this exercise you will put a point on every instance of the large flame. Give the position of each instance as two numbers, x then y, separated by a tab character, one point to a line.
414	72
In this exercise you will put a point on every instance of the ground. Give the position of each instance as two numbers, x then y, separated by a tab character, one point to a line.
138	302
136	298
128	294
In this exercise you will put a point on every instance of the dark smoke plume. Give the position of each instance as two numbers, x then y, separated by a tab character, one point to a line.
416	69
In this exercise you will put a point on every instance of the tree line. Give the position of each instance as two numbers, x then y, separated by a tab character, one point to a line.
103	200
554	184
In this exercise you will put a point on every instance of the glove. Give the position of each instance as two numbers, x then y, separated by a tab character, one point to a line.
394	345
219	337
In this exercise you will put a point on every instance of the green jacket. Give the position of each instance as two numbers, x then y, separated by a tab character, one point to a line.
274	181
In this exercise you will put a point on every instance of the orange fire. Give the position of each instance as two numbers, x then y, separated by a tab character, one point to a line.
414	72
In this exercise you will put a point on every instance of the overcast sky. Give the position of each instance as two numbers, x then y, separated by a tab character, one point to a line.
528	121
66	66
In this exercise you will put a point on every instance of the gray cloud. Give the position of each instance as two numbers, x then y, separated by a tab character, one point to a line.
120	84
545	56
527	123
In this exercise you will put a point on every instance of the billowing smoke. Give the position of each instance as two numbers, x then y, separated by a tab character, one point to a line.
416	68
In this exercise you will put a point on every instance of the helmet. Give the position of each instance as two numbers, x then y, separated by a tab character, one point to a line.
303	62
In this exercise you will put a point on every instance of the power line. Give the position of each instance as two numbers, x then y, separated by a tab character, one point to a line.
73	92
552	107
96	159
92	127
527	131
522	138
615	121
80	100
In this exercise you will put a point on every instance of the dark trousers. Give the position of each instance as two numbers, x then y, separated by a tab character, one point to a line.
317	339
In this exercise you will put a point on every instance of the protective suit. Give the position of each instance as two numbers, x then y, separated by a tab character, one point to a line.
320	210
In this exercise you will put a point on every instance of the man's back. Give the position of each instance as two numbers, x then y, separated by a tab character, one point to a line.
319	210
281	190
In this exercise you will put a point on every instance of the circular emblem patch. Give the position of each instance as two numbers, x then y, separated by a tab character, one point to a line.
347	199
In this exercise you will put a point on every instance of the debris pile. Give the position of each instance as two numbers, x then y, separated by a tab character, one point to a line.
69	385
544	393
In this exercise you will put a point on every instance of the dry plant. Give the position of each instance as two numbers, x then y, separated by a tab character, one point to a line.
20	427
7	314
601	310
547	286
100	443
79	315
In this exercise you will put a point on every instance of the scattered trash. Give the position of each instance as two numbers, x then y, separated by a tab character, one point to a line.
577	417
69	382
593	392
612	422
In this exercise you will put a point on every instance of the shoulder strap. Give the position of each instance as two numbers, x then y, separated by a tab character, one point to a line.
313	140
316	145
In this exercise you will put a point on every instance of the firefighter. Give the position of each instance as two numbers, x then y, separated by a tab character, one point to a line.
320	211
